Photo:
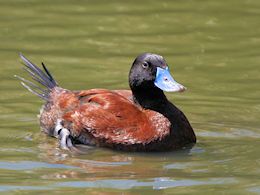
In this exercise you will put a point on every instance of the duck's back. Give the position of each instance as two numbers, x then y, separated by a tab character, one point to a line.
105	118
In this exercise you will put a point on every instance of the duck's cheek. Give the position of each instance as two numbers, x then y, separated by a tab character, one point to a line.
165	81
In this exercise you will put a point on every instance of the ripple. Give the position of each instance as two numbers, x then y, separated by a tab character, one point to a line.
254	189
102	163
29	165
156	183
181	165
227	131
27	150
12	188
233	133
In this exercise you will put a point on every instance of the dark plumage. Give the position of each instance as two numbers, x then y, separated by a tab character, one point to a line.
138	120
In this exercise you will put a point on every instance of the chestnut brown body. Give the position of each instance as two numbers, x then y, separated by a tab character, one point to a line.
104	118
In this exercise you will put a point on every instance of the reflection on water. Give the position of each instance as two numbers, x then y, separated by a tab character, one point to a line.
212	47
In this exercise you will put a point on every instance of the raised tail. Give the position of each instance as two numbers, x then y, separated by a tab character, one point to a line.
43	77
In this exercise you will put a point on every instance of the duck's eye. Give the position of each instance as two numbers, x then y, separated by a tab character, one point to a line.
145	65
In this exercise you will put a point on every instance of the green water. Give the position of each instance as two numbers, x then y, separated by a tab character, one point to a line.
212	48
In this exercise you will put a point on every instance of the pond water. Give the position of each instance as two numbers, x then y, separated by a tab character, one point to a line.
212	48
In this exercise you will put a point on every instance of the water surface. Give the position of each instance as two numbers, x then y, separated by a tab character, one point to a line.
212	48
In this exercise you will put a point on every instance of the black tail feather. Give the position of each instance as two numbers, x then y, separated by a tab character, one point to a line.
49	74
42	77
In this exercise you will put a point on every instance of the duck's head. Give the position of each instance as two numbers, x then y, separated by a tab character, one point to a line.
150	71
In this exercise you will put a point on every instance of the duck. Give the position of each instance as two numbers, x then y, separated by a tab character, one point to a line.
141	119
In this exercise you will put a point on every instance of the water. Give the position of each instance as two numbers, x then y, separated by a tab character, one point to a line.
212	48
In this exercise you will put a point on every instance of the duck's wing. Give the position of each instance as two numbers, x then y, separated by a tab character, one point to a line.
111	118
125	93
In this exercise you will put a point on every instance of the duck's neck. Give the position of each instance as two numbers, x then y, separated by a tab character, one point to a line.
153	98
